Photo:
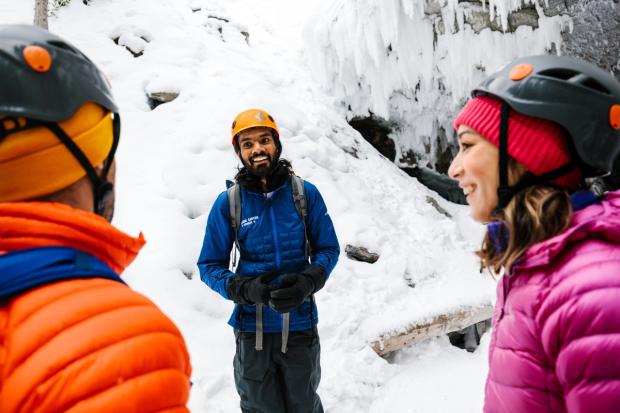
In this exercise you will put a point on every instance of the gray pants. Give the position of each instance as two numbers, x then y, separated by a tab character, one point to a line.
270	381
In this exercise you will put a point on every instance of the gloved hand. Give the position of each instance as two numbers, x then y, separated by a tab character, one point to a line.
251	290
295	287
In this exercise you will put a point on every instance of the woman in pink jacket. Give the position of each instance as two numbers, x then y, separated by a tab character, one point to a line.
548	122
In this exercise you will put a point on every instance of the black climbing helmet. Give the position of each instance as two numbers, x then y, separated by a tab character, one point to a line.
577	95
55	94
45	80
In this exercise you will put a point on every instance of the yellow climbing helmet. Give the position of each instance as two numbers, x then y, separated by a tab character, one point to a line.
253	118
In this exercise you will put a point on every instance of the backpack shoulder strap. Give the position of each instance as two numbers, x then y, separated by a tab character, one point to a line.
301	205
234	207
299	197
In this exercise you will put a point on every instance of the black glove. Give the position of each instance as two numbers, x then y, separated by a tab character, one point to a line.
296	287
251	290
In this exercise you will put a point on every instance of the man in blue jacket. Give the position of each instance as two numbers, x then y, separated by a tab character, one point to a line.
288	248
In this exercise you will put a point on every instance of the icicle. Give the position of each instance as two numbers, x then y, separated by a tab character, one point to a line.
387	57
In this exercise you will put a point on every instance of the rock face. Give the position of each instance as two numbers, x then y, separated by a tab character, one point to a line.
596	33
595	37
376	131
415	74
479	18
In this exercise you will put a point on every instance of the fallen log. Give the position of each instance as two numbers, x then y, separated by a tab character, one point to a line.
441	324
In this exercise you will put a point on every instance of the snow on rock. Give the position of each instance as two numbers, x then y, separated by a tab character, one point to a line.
135	44
414	62
173	162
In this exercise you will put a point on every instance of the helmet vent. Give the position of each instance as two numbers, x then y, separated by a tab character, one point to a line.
593	84
64	46
575	77
562	74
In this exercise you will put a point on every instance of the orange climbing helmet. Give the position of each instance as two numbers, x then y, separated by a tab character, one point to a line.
253	118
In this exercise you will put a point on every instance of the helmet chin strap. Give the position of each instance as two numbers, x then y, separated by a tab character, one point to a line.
102	189
506	192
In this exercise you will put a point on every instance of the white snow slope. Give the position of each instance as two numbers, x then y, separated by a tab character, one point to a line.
173	162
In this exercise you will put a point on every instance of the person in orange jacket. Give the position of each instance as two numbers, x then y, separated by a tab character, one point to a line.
73	337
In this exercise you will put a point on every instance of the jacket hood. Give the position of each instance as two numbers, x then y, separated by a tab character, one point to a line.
598	221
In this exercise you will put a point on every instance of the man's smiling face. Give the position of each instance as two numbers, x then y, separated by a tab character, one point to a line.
258	150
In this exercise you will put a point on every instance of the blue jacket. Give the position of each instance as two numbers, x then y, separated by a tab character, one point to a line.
271	237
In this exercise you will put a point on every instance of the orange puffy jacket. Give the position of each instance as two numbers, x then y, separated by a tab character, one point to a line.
84	345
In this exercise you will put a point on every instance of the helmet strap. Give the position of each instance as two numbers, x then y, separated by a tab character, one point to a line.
557	172
102	189
116	133
504	192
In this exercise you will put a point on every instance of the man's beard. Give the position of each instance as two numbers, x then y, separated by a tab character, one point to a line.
262	170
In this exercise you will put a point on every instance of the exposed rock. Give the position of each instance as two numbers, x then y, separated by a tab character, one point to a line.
439	26
479	19
432	7
596	33
523	17
444	152
376	131
157	98
433	202
555	7
360	254
408	159
211	16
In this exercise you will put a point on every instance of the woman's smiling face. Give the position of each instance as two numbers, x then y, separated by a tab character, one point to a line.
476	169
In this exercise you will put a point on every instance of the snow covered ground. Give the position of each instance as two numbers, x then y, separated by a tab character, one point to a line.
224	56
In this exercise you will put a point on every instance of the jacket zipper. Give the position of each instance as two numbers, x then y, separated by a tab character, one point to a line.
275	236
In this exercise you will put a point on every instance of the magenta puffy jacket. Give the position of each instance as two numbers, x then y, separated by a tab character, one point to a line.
556	340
